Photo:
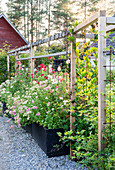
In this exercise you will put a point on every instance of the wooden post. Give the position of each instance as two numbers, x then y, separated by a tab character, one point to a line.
72	86
101	78
32	61
16	65
8	68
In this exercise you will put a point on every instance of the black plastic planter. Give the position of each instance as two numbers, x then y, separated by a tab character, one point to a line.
47	139
28	128
4	108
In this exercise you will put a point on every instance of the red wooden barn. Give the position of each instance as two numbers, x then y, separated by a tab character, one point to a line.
9	34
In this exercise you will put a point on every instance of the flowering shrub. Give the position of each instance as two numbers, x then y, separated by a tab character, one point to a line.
45	100
85	137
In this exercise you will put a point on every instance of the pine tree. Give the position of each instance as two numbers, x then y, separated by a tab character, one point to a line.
62	14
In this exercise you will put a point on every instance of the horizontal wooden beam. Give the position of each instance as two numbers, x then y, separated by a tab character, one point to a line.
110	20
19	49
21	59
89	21
90	36
42	41
53	55
23	52
110	28
45	56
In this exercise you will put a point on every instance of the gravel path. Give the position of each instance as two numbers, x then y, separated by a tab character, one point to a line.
18	151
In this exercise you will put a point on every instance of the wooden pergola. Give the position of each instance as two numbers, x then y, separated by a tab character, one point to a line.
105	24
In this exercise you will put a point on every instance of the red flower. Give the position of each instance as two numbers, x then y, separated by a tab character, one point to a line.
36	76
37	68
38	82
45	77
31	75
35	71
61	80
42	66
42	75
53	71
49	58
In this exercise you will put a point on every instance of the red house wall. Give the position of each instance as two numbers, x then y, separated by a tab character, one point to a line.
9	35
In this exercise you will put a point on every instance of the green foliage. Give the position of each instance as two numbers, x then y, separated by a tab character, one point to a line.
3	66
85	137
112	75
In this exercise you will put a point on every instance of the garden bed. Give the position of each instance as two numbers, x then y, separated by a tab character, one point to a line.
47	139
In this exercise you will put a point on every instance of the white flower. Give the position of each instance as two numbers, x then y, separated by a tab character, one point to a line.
59	68
7	111
50	66
46	98
65	101
52	109
34	82
68	61
61	98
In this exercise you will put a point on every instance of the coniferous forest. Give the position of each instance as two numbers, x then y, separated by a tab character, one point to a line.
37	19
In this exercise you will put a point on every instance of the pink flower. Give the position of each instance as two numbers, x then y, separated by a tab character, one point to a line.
18	120
21	80
25	107
21	112
19	63
11	126
37	114
32	101
8	120
19	125
65	73
16	117
50	70
35	107
48	103
28	109
48	87
20	68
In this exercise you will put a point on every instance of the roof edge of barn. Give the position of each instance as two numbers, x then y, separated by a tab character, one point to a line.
2	15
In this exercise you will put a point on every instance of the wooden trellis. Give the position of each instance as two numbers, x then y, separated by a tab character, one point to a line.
105	24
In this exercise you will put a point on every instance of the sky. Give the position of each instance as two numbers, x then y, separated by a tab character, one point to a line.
3	4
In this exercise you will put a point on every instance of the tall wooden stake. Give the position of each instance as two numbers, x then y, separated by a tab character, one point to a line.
32	61
8	68
16	65
101	78
72	86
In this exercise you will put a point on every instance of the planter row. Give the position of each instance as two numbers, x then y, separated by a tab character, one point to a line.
47	139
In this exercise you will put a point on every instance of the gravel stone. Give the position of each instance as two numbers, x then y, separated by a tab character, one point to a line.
18	151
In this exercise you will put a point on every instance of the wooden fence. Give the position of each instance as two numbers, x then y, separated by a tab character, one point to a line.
105	24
